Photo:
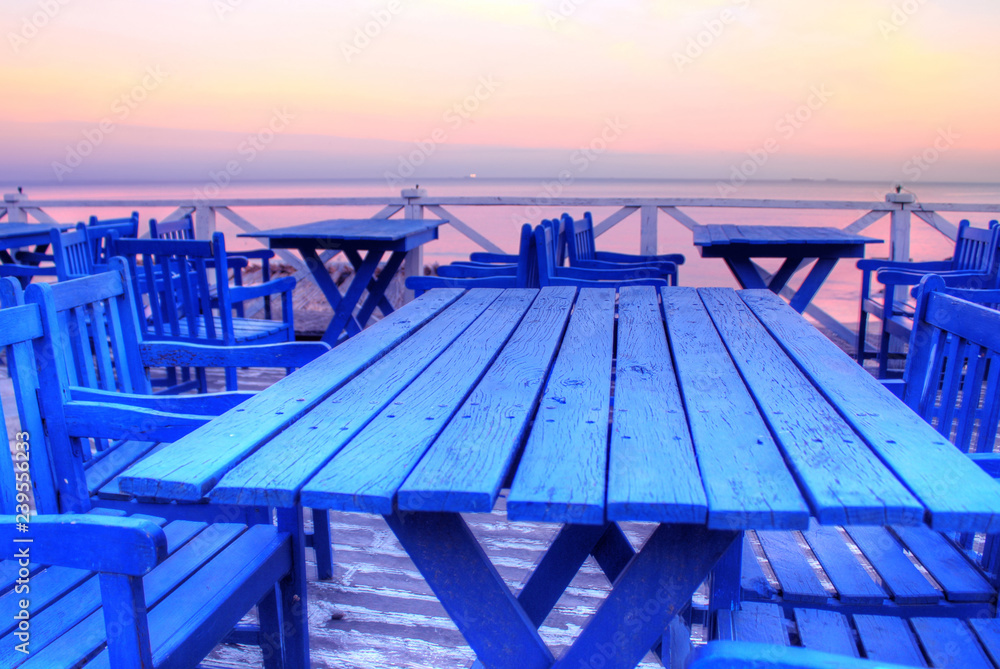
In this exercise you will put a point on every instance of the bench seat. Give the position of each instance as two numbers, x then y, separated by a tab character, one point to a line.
213	574
899	557
914	642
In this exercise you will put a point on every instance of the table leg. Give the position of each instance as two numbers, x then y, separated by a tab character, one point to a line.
745	272
329	289
655	586
817	275
470	589
345	310
294	596
377	288
652	588
784	273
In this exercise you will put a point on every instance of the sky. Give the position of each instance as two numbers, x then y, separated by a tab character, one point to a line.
901	91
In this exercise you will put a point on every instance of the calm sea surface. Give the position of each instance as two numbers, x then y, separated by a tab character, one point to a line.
838	296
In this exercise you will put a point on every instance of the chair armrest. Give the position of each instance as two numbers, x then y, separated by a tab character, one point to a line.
260	254
419	284
283	285
620	274
597	283
81	541
28	257
870	264
665	268
182	354
26	270
609	256
988	462
747	655
894	386
101	420
482	256
209	404
469	271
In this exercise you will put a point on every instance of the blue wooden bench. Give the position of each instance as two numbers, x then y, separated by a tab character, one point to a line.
974	264
173	277
952	380
105	590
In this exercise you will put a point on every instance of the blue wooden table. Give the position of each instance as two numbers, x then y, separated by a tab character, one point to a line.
707	411
738	244
372	236
18	235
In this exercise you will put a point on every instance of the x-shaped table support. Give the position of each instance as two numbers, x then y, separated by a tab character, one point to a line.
751	275
650	587
343	305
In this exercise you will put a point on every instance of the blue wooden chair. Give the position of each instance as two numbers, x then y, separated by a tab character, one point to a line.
71	257
107	590
94	353
952	380
536	267
582	252
183	228
175	296
975	264
101	234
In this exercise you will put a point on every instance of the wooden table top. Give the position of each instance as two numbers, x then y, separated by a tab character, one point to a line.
14	230
353	229
713	235
708	406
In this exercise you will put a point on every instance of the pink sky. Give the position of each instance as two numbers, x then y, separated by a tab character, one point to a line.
852	89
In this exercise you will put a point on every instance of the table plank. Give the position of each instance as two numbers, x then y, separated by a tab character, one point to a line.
554	483
649	434
357	229
958	495
842	479
465	467
188	472
746	481
365	475
308	444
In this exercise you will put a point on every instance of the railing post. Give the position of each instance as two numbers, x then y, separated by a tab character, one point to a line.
647	230
15	214
899	233
204	221
414	265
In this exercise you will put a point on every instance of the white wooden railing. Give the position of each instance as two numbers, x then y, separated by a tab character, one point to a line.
416	203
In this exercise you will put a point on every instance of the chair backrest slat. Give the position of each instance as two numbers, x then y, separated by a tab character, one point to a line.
580	238
181	228
953	368
20	328
175	280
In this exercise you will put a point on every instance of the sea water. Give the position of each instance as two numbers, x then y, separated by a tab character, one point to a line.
839	295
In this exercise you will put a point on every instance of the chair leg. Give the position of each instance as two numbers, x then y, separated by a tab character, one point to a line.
883	353
231	382
322	544
862	335
270	631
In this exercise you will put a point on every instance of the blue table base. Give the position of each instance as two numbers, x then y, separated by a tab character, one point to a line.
651	586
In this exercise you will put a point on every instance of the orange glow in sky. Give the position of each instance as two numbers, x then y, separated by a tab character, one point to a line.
850	88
